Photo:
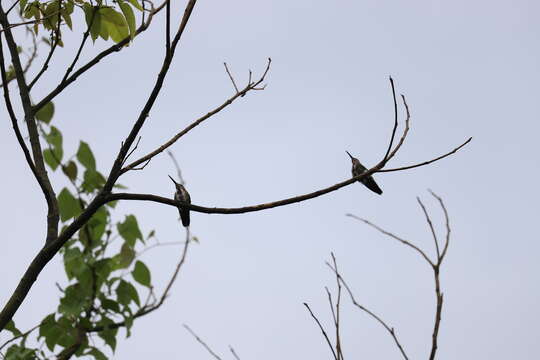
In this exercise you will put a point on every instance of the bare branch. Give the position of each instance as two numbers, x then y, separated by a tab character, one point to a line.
429	161
369	312
395	119
405	242
168	28
337	311
232	79
430	224
234	353
322	330
79	51
178	170
447	221
200	341
246	89
143	115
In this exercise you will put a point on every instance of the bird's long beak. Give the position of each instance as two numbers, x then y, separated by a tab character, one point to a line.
170	177
349	155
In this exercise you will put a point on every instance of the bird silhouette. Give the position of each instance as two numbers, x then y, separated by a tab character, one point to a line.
359	169
182	195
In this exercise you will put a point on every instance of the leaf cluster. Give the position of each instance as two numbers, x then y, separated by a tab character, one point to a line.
104	276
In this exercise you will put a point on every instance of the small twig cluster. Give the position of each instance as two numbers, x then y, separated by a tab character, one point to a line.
435	265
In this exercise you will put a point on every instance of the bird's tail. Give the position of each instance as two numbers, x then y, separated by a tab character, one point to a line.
372	185
184	215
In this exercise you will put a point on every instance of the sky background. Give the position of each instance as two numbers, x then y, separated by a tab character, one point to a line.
467	68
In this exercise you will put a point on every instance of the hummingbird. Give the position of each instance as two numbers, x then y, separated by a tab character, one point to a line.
359	169
182	195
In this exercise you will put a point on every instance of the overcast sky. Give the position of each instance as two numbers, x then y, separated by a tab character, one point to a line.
467	68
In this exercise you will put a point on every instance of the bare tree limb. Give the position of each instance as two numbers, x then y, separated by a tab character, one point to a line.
390	330
322	330
40	173
430	224
405	242
429	161
395	119
250	86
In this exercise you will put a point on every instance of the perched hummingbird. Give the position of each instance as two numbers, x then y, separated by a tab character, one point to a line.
182	195
359	169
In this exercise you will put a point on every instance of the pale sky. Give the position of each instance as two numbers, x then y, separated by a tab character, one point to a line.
467	68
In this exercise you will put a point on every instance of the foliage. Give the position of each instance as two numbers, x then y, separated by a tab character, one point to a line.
104	20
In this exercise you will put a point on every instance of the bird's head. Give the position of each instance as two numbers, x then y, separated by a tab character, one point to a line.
178	186
353	159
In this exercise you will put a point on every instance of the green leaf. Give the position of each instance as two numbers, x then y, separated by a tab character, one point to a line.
130	17
136	5
115	24
11	328
103	269
141	274
85	156
46	113
109	335
54	137
93	19
73	262
70	170
98	355
97	224
93	180
126	293
22	5
129	230
51	331
69	206
19	352
51	158
74	301
109	304
50	19
125	257
67	18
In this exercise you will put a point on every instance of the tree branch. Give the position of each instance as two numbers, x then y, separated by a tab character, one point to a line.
250	86
116	168
322	330
40	171
390	330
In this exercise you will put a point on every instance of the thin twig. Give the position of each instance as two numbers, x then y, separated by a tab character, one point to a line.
430	224
234	353
197	122
232	79
405	242
200	341
322	330
338	311
447	222
19	336
178	170
370	313
395	119
54	44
